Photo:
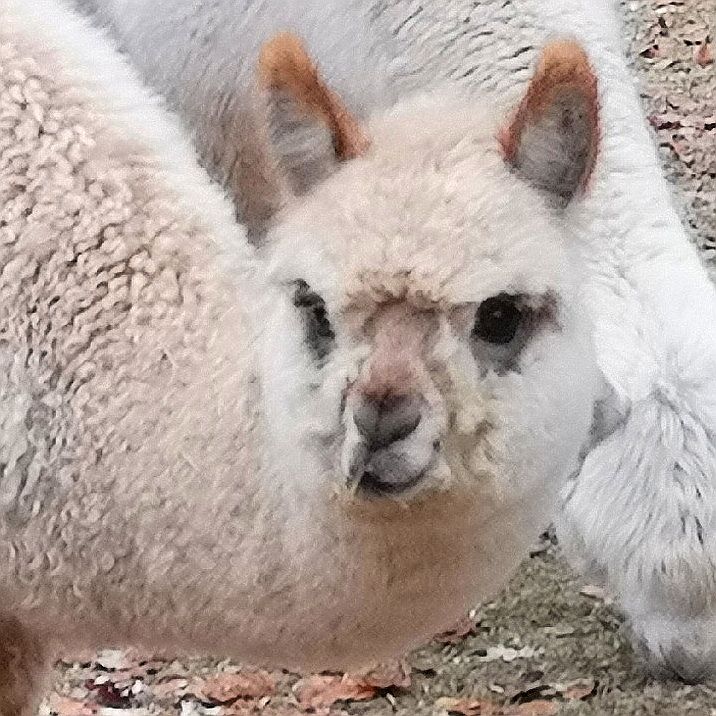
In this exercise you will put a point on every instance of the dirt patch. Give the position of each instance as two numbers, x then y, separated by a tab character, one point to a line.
549	644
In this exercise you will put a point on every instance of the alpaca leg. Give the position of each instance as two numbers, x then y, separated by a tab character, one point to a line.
23	668
641	517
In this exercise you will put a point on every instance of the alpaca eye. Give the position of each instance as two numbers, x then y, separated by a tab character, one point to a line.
319	333
498	319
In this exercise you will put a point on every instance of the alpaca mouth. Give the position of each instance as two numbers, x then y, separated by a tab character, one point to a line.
373	485
384	474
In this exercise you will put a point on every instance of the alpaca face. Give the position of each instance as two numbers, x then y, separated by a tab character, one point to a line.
425	328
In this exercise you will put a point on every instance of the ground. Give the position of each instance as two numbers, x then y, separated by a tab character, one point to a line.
550	644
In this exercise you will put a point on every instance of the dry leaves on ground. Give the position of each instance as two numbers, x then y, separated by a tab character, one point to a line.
321	690
577	690
64	706
394	674
538	700
241	708
226	687
478	707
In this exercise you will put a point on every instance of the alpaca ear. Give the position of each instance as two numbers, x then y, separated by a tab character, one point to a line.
310	129
553	137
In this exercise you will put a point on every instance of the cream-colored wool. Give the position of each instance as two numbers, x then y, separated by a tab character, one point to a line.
640	513
169	450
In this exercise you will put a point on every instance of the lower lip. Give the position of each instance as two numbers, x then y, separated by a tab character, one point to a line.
387	488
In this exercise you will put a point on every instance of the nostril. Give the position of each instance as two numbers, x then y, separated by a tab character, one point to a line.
382	422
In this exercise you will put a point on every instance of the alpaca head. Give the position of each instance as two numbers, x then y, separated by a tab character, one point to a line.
424	331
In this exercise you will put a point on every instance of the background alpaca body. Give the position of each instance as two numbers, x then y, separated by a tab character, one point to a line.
641	513
170	478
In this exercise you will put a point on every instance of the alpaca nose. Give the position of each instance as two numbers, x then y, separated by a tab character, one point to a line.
382	422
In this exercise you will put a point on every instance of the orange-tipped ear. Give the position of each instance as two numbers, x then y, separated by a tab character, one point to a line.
552	139
285	66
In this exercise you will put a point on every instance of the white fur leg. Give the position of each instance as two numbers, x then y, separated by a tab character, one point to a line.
641	516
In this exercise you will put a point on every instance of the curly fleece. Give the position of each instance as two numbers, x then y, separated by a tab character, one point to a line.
140	501
641	513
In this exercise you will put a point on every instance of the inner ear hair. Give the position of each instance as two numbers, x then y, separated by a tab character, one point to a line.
552	139
285	67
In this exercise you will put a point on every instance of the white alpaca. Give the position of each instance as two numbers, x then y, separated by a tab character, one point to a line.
313	467
641	513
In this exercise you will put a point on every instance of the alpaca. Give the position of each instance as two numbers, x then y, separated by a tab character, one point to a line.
640	513
313	458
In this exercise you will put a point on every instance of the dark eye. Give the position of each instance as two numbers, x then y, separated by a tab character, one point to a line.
498	319
319	333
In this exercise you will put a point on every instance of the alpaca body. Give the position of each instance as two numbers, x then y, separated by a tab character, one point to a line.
172	450
641	513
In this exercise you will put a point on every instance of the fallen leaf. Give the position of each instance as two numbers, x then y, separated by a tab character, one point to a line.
458	632
226	687
664	64
172	687
63	706
468	707
507	654
593	591
659	121
113	659
243	708
703	54
533	708
577	690
322	690
559	630
478	707
387	675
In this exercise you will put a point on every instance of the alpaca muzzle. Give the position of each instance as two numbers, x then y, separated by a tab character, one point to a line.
390	444
392	422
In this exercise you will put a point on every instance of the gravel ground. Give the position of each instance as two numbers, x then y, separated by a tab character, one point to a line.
549	644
